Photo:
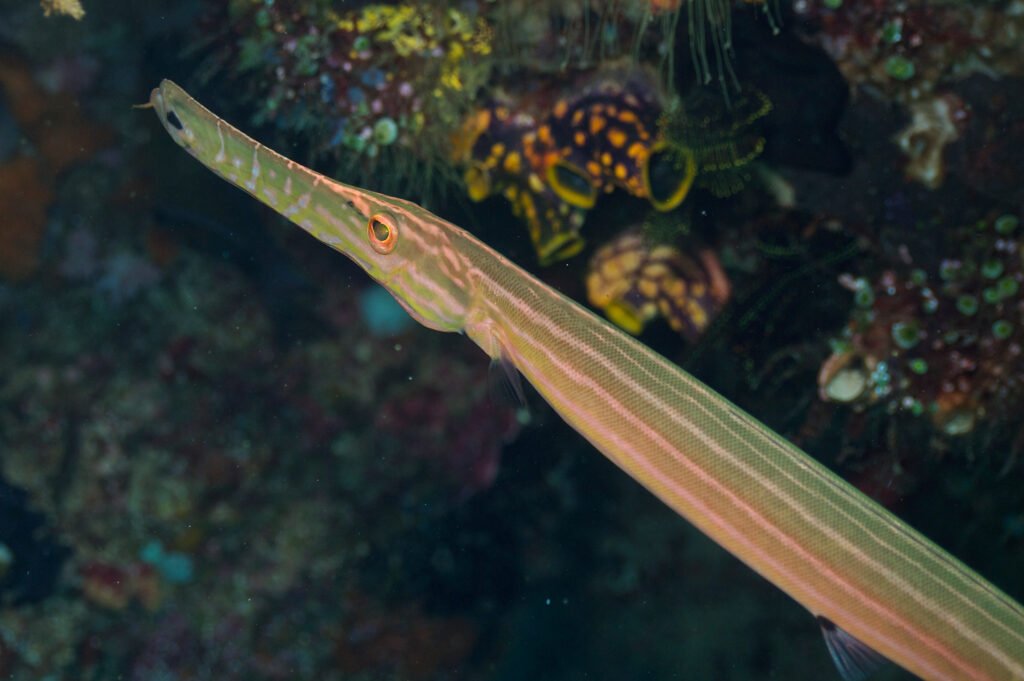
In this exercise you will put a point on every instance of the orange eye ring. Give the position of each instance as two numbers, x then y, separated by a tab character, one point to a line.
382	233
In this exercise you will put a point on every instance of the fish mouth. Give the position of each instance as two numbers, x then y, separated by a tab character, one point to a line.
159	104
156	98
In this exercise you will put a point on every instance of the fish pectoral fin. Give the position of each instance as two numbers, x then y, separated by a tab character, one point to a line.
507	383
855	660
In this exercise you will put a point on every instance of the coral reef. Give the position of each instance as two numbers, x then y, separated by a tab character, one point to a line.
504	154
943	343
935	123
466	448
553	154
403	642
909	50
24	198
713	138
551	37
582	33
912	53
153	480
990	146
377	88
58	136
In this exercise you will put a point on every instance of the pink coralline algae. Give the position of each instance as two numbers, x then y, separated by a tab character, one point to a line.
452	420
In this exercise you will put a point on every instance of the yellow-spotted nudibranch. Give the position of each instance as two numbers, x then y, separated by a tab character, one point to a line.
507	152
633	281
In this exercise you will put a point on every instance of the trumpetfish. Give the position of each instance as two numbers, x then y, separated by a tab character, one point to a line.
878	588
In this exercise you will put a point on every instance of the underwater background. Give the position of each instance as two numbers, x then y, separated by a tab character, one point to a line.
226	454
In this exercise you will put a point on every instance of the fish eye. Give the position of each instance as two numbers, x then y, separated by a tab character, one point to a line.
174	121
382	233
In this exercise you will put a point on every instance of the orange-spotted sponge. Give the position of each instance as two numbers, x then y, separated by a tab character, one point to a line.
603	133
553	151
633	281
506	151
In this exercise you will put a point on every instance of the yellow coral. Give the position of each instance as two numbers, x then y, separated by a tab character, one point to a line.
71	8
406	44
450	79
409	32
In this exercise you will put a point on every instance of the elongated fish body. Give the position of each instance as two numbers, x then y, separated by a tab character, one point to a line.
877	586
